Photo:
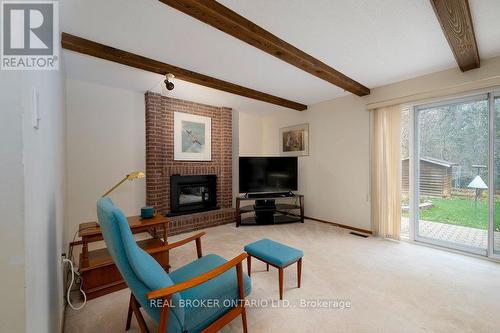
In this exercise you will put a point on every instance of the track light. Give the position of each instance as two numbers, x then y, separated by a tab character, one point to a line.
169	85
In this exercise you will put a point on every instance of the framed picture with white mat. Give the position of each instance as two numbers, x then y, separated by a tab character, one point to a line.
192	137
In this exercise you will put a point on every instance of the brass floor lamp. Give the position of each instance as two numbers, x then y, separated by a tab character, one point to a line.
131	176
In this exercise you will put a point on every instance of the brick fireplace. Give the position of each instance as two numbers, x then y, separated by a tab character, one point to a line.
160	163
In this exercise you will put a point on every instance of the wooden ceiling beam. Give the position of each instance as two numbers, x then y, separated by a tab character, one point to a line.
455	19
220	17
88	47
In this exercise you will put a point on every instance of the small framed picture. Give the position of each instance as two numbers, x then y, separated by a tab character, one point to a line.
192	137
294	140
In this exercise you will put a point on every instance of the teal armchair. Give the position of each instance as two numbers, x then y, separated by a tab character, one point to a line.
202	296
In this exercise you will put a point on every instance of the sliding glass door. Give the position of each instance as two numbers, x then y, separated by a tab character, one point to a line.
495	200
451	179
452	174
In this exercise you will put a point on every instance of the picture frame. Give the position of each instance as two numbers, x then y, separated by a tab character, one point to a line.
192	137
294	140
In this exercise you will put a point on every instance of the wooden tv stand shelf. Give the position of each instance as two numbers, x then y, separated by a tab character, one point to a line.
99	274
290	209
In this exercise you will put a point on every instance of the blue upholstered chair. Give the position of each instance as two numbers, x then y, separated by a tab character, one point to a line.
172	300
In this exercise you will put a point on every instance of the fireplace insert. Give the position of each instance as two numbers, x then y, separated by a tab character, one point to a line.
190	194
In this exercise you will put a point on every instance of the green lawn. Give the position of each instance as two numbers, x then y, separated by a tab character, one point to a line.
459	211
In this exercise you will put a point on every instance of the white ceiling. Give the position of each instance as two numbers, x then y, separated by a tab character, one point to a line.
90	69
375	42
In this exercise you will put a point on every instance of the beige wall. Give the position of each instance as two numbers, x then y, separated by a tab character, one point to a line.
31	201
250	134
105	141
434	85
12	250
44	186
335	177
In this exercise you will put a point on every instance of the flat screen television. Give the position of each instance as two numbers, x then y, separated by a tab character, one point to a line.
268	174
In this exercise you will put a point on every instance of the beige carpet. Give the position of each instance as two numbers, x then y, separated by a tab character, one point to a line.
392	287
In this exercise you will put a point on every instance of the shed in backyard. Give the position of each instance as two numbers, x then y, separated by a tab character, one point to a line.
435	177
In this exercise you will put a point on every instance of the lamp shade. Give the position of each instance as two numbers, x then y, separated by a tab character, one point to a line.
135	175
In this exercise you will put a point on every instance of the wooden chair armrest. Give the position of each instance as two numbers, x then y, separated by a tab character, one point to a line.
165	292
186	240
196	238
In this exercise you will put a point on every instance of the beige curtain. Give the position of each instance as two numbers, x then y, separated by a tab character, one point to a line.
386	172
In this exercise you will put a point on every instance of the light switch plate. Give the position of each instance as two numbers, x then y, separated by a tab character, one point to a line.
35	110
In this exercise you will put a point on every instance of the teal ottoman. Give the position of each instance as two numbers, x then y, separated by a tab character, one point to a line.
277	255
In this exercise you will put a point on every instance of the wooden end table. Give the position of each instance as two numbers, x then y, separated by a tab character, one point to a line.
99	274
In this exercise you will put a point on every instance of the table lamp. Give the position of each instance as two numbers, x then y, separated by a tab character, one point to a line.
131	176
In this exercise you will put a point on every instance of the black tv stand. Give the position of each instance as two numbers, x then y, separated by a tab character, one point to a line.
266	209
286	194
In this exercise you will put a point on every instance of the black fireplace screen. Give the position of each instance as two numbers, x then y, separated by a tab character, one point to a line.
192	194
